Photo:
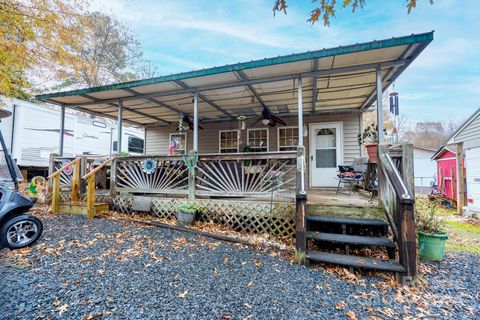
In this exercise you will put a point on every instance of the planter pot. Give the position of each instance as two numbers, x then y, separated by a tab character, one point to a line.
372	150
185	218
432	245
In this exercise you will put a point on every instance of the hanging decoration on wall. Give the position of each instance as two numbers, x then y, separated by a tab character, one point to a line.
180	127
149	165
242	125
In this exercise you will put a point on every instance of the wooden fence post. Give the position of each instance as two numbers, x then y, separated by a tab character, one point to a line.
408	174
192	159
300	210
461	179
113	178
83	171
75	181
51	169
382	149
56	194
407	234
91	197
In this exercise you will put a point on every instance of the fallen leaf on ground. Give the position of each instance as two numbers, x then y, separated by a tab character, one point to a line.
351	315
183	294
62	309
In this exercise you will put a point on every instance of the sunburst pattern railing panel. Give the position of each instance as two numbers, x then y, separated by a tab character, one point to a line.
153	175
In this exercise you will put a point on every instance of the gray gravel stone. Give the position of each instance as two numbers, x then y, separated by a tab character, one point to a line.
120	270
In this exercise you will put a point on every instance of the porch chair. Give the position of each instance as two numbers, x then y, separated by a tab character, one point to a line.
352	175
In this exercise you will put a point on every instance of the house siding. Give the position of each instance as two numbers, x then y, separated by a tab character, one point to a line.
157	137
470	135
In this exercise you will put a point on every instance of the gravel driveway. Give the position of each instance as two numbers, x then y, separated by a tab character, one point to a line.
110	269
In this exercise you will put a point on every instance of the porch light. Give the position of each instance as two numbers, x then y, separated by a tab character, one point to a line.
266	121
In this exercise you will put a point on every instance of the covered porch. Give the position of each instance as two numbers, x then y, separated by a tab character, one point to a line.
250	140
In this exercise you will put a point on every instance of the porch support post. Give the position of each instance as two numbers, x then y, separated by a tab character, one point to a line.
301	195
119	126
193	154
195	122
461	202
379	105
62	131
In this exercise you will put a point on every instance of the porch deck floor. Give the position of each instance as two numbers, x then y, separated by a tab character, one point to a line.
329	197
327	202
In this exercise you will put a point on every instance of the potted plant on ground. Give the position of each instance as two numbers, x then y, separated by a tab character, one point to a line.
188	211
431	232
369	138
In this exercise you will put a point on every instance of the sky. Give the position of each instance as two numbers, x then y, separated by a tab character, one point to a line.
442	84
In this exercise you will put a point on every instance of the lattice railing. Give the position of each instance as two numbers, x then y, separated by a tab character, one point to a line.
157	174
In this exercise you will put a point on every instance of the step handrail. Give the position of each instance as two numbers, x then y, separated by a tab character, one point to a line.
59	171
98	168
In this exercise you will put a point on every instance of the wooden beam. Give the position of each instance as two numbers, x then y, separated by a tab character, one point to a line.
55	206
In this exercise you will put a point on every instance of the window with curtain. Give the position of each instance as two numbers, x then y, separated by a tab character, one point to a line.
257	139
326	148
228	141
287	138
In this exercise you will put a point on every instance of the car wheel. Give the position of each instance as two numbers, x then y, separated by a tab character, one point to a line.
21	231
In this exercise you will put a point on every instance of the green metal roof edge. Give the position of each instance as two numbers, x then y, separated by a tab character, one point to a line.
372	45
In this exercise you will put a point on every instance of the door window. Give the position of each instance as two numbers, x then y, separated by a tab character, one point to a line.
326	148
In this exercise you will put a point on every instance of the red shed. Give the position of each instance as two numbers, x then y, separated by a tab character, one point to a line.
446	171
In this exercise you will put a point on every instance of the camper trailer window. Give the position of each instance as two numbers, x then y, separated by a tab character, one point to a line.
135	145
115	146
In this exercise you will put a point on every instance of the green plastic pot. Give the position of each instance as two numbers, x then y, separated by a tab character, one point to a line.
432	245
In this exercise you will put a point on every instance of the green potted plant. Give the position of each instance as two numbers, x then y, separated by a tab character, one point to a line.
431	232
369	138
188	211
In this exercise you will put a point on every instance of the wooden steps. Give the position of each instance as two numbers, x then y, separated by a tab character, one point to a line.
355	261
329	232
346	220
80	207
350	239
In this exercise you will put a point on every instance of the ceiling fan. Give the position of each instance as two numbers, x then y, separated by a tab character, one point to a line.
269	119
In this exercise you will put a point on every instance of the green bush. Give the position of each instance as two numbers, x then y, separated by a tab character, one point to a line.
427	217
191	207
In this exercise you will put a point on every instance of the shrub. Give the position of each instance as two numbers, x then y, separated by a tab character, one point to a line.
427	217
191	207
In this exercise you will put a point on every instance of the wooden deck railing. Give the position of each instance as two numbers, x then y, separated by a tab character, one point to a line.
90	177
398	199
74	183
269	175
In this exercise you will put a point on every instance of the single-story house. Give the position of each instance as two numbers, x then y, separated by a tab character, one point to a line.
446	168
424	168
467	141
250	141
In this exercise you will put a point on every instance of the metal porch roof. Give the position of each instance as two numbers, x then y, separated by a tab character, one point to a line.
340	79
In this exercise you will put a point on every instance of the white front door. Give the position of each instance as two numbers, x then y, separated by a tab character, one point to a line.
325	153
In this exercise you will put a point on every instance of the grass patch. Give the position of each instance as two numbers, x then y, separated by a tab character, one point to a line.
463	237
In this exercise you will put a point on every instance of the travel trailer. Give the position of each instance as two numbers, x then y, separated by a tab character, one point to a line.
32	134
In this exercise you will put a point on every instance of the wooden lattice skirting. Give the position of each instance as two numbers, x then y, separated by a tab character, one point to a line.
277	218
